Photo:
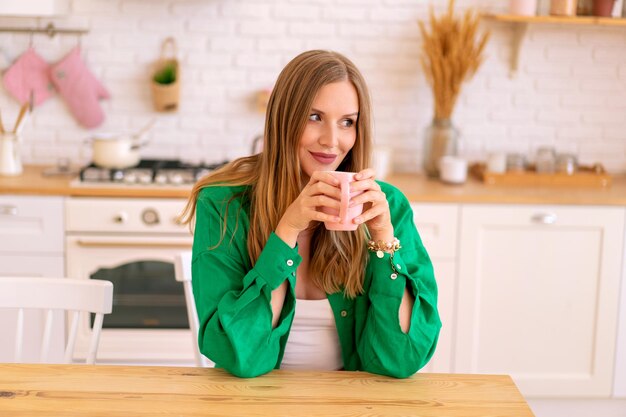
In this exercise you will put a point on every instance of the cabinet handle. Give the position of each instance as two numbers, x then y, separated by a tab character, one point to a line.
8	210
544	218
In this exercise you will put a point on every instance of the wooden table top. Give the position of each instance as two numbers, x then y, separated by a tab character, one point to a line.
82	390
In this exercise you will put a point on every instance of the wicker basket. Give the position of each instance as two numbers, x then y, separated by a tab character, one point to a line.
166	94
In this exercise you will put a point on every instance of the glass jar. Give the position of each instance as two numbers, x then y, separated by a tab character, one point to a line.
545	160
566	163
441	138
563	7
515	162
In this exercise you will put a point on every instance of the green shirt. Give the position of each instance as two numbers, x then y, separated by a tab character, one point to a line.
233	297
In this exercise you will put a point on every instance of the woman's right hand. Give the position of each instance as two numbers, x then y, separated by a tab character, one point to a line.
322	190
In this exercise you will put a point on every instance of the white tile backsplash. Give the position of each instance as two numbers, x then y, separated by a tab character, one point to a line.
570	90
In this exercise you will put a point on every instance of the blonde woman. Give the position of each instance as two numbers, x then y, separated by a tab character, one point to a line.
274	288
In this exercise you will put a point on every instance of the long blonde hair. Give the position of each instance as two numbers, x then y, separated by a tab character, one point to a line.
338	259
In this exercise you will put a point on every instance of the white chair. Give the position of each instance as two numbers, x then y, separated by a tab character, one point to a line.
53	294
182	271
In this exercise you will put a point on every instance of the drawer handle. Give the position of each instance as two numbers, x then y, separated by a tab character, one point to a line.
8	210
544	218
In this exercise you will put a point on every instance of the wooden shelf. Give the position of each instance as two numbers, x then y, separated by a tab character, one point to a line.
520	28
574	20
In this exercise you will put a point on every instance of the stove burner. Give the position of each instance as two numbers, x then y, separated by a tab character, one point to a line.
148	172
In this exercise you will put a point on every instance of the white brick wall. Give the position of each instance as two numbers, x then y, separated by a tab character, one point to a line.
570	91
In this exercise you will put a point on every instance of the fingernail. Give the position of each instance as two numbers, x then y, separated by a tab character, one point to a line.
358	220
336	219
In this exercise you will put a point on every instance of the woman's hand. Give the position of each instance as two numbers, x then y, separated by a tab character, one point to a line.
321	191
375	206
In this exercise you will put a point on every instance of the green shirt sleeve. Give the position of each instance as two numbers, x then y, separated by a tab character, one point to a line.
382	345
232	299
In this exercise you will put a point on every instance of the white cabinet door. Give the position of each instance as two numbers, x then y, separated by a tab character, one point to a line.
437	225
31	224
538	296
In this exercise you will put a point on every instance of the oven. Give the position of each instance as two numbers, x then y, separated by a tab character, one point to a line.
132	242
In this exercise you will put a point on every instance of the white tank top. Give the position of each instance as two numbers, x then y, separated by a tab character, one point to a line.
313	342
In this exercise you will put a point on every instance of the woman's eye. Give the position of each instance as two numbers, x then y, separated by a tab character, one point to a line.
348	123
315	117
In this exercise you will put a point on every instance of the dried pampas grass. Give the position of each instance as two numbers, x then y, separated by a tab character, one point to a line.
452	53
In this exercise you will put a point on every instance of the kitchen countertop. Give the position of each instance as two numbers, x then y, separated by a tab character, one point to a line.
417	188
129	391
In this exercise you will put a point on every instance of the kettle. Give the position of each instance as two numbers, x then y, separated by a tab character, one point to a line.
10	161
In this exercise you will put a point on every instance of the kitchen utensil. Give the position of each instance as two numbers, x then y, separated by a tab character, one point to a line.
10	160
118	151
19	122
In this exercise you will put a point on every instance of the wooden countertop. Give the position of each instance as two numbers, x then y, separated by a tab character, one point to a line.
129	391
33	182
417	188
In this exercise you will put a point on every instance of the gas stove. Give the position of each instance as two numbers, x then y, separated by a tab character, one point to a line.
148	172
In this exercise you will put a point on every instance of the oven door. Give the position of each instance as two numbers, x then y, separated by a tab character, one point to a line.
149	323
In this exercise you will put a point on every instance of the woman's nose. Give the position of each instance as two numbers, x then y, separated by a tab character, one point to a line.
329	137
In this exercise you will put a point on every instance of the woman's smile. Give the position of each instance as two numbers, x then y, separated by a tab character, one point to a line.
324	158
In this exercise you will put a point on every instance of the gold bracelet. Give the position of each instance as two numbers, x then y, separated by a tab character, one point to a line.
381	246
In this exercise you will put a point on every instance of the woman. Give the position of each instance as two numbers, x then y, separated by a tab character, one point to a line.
273	287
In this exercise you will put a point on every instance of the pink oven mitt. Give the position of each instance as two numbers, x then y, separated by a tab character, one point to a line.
79	88
29	73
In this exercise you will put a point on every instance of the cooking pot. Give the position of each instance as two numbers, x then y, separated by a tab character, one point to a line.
118	151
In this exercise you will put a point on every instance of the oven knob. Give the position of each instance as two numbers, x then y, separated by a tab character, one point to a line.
150	216
121	218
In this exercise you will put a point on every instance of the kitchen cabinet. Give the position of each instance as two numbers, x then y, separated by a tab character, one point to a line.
437	225
538	296
31	244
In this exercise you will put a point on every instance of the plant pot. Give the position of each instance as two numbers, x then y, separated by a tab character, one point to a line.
441	138
165	82
603	8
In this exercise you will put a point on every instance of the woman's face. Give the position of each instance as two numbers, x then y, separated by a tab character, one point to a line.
330	131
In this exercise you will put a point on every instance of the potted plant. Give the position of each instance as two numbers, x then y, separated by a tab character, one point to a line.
452	53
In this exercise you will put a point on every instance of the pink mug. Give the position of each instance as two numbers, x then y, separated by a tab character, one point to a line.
346	214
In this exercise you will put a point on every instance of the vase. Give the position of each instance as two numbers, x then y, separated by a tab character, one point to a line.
441	138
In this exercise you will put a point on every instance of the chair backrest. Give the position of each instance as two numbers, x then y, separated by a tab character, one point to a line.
74	296
182	270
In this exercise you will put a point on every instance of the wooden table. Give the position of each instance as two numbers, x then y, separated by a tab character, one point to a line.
83	390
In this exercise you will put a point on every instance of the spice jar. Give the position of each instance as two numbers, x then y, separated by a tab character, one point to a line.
566	163
515	162
545	160
563	7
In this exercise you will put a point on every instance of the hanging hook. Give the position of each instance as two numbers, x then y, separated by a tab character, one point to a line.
79	40
30	39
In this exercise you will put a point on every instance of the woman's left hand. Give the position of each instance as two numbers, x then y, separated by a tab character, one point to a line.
375	206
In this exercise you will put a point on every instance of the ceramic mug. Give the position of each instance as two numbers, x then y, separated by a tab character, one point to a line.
346	214
452	169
